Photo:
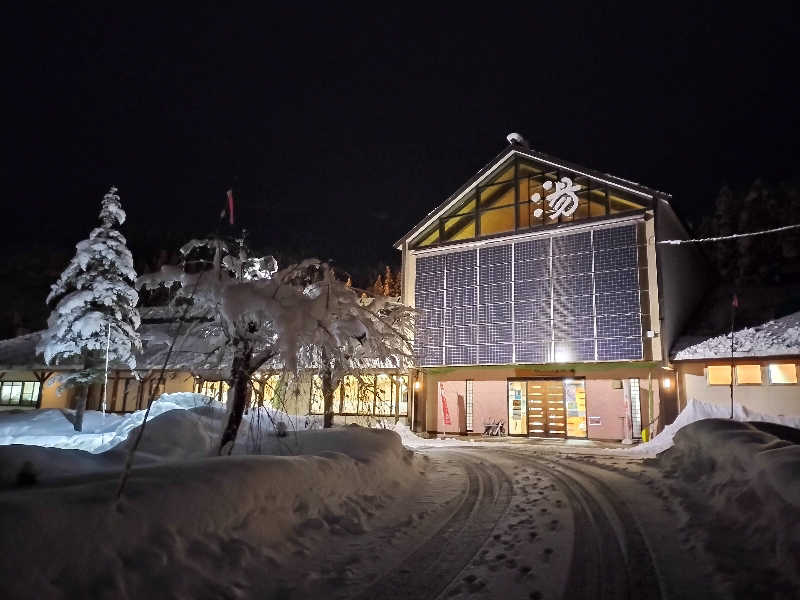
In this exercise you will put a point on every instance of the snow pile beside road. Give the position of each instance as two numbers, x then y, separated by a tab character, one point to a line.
188	525
748	477
696	410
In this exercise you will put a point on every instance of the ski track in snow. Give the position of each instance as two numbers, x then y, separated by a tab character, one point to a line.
429	569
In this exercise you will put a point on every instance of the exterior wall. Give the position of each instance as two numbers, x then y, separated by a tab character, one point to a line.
684	275
489	403
607	403
765	398
654	309
490	400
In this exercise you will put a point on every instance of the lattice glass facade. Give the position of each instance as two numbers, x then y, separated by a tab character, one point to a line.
565	297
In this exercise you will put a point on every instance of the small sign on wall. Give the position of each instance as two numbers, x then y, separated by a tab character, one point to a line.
595	421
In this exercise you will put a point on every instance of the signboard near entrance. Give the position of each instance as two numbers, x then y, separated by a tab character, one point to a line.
516	408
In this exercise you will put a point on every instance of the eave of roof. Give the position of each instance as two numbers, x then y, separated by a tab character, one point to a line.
516	149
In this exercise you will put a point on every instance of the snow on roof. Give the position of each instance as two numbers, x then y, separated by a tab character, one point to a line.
778	337
20	353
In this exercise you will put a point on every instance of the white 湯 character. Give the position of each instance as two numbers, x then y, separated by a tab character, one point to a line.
562	201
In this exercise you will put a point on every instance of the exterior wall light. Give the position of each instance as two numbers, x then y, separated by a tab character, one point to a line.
417	384
666	383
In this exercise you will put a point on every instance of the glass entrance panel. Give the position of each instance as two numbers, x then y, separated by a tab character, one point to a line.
517	420
575	401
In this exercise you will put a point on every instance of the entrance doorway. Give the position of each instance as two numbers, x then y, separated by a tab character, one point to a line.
547	408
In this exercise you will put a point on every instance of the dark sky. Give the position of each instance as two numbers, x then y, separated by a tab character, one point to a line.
339	130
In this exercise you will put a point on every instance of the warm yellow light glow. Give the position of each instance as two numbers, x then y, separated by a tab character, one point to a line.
666	383
417	385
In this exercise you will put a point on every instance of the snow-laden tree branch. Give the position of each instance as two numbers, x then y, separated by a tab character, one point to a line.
300	318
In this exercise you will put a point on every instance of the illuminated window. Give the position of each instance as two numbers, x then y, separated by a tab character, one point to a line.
350	399
402	395
384	404
497	220
19	393
719	375
748	374
783	373
215	389
503	204
317	406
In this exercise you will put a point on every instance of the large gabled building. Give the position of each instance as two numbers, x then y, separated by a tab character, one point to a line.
545	301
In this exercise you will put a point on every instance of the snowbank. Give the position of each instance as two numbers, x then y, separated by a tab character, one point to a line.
696	410
190	525
749	478
102	432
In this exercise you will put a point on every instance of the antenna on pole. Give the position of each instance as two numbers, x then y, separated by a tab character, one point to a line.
105	383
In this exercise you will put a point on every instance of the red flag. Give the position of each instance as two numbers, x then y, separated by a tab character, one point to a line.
735	302
230	206
445	411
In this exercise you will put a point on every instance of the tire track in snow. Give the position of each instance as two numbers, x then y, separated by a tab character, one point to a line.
428	570
611	557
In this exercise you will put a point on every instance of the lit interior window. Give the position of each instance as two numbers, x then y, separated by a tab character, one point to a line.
783	373
719	375
748	374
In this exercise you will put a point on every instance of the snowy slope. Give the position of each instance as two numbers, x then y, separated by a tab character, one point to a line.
189	525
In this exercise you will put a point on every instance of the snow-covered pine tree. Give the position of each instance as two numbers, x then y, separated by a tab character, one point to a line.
96	291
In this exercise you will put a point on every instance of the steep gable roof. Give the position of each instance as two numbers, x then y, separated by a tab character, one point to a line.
495	165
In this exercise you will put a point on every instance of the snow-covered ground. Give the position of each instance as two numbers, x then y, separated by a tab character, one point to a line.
189	525
355	512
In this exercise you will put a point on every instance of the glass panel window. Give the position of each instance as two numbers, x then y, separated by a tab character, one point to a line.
350	400
597	202
524	211
748	374
783	373
317	400
384	404
718	375
497	220
402	391
467	207
16	393
619	202
494	196
459	228
366	395
431	236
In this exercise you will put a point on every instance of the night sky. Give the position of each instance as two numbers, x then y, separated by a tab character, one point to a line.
339	130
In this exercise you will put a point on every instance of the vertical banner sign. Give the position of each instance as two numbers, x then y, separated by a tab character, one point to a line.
445	411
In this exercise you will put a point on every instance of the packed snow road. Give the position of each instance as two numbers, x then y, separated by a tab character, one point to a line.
529	524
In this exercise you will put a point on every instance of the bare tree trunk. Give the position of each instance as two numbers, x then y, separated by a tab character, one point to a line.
327	397
80	407
240	381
